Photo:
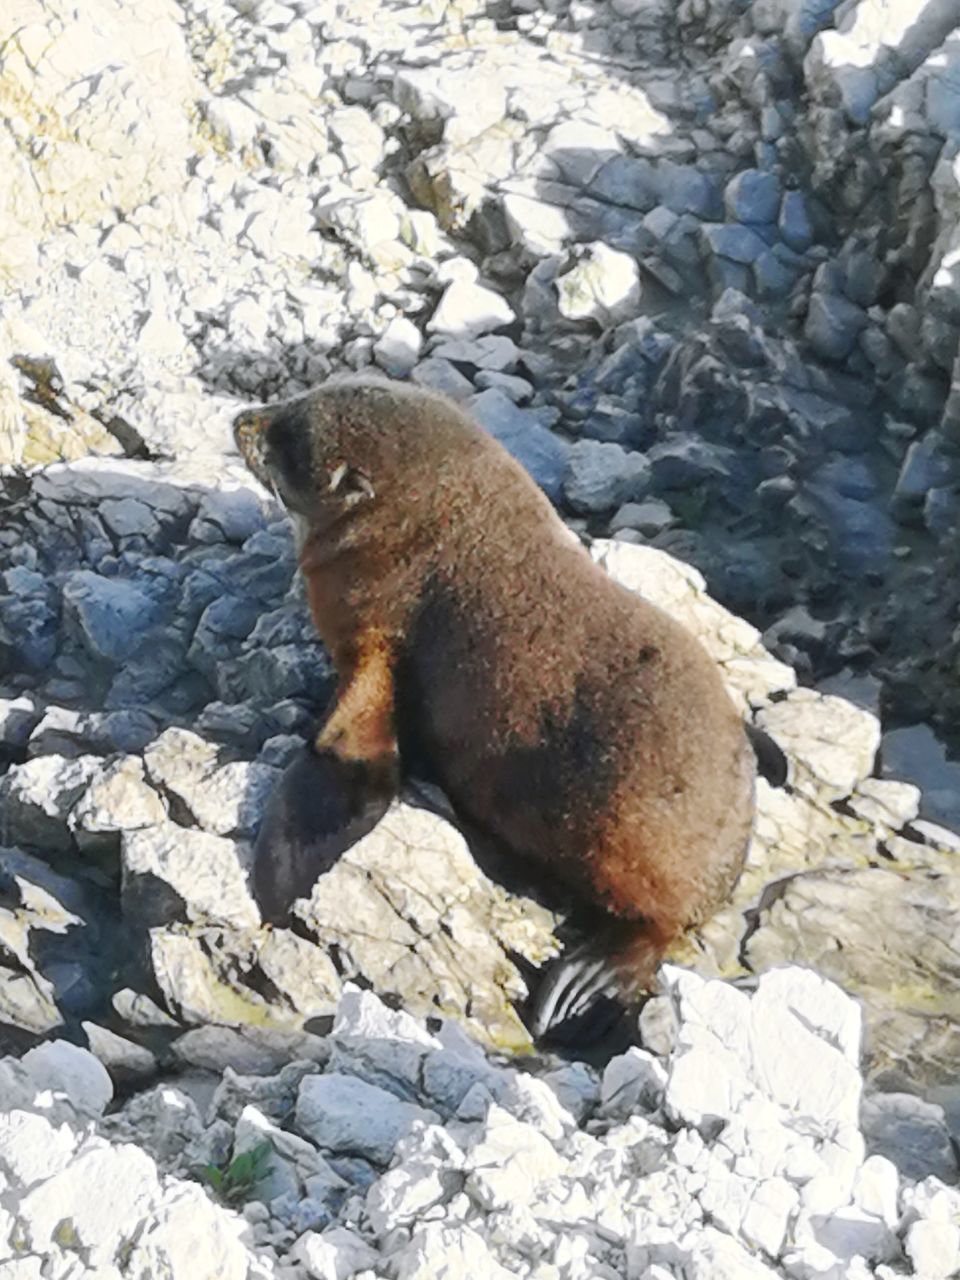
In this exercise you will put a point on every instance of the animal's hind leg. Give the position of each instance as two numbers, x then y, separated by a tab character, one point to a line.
584	991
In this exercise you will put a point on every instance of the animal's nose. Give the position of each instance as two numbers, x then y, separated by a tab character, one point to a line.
248	430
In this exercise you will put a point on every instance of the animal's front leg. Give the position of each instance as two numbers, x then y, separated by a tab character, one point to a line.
333	793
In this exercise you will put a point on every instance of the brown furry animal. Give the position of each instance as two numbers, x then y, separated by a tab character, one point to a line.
478	645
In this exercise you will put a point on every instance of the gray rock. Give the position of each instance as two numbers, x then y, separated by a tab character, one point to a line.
441	375
925	466
752	196
771	278
627	181
69	1069
603	476
650	517
344	1115
915	753
249	1051
519	390
112	614
833	325
740	244
128	517
280	750
686	461
29	630
794	225
228	515
493	351
222	625
18	719
542	453
910	1132
123	1059
685	189
65	732
273	674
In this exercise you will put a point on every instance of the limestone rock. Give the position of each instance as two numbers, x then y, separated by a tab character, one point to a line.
171	873
36	799
832	742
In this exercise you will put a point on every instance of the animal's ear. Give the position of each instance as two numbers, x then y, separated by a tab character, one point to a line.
351	484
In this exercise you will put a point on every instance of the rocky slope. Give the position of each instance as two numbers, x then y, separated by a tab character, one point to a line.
695	264
390	1150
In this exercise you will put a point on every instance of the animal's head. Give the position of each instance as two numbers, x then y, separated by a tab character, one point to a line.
345	445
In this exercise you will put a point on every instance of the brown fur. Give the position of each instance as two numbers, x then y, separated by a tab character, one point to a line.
563	715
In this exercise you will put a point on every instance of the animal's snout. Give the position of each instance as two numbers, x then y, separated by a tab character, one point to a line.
248	432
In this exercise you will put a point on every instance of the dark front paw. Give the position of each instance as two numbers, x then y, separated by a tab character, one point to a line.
321	806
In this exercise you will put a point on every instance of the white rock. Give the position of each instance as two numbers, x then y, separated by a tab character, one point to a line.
223	799
117	799
468	310
68	1069
781	1044
397	349
603	285
451	1253
767	1215
405	1193
335	1254
541	228
934	1249
31	1147
233	119
26	1269
104	1194
36	798
876	1188
360	137
509	1162
188	1235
